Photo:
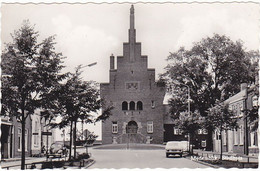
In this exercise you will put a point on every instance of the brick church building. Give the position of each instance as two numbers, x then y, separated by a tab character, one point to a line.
138	114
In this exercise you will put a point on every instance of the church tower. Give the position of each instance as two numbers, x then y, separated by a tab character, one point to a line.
137	116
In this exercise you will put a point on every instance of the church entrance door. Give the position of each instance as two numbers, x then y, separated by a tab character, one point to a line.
131	127
131	130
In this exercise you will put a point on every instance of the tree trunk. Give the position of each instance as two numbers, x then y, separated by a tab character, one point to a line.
74	139
221	150
71	125
23	141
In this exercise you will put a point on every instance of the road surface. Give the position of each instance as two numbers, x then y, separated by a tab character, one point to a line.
127	158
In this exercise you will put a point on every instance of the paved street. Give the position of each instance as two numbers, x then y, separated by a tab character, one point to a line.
123	158
117	156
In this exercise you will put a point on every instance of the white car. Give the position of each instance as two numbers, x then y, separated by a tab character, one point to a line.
176	147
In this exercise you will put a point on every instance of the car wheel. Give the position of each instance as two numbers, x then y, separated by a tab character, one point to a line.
180	155
167	155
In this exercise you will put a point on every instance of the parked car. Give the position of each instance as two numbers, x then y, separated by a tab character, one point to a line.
58	148
176	147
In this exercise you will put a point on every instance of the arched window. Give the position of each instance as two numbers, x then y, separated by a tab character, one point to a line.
124	106
132	105
139	105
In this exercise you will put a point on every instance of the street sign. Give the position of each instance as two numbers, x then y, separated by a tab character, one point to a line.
47	133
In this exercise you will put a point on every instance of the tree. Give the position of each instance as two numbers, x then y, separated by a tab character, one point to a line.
77	100
29	71
220	117
188	123
212	69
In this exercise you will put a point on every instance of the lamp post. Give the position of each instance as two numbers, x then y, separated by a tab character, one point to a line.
82	120
178	83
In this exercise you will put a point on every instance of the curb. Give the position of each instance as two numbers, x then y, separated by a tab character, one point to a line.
206	164
90	163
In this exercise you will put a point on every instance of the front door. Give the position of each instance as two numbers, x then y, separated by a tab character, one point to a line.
131	127
131	130
5	129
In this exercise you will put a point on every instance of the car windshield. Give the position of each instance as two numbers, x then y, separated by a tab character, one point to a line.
173	144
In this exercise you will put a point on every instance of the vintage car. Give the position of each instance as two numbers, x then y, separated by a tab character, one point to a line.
58	148
176	147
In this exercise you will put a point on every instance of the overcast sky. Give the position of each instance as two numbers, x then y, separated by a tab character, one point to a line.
87	33
92	32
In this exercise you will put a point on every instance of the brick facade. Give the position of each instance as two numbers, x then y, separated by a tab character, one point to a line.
252	102
236	141
17	127
134	84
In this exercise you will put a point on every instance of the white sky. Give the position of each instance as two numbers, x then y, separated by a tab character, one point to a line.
89	33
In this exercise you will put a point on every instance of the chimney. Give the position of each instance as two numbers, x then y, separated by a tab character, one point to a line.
243	86
112	62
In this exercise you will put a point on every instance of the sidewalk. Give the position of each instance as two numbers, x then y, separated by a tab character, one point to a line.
16	162
228	156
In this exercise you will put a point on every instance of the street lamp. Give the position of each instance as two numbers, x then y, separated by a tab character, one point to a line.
90	65
82	120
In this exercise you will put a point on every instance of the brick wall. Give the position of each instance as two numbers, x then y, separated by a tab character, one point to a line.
116	92
16	124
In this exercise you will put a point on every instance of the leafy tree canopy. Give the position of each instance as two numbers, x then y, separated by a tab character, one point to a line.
30	70
221	117
212	69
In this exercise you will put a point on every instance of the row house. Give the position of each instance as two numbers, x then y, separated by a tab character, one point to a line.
35	138
11	137
240	140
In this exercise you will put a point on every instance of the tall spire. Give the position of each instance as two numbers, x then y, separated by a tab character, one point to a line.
132	34
132	18
132	25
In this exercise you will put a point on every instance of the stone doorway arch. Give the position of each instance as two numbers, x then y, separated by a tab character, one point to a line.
131	127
